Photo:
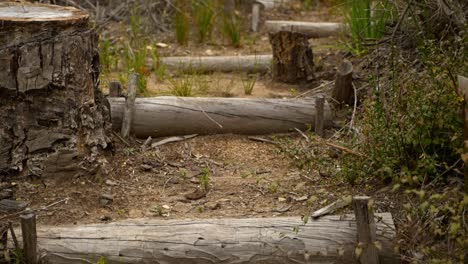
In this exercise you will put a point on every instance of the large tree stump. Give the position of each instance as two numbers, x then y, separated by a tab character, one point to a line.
52	116
292	57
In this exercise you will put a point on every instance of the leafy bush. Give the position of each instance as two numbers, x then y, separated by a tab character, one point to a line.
204	13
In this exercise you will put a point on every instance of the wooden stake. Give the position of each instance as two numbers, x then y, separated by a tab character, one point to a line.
366	249
255	16
343	91
115	89
463	92
28	231
129	109
319	115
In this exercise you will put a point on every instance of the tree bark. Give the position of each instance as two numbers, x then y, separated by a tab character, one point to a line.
292	57
282	240
309	29
172	116
343	92
249	63
52	116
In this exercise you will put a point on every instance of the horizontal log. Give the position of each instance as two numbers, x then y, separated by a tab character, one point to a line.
171	116
269	4
248	63
310	29
330	239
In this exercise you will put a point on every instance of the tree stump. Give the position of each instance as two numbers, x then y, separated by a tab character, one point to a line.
52	117
293	60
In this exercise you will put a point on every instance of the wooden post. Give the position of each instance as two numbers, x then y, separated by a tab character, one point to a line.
319	114
343	91
127	119
366	249
463	92
255	16
115	89
28	231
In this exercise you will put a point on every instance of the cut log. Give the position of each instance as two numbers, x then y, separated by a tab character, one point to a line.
309	29
292	57
283	240
52	117
343	92
249	63
172	116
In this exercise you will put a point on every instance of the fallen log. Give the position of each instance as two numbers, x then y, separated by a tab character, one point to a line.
172	116
330	239
309	29
269	4
248	63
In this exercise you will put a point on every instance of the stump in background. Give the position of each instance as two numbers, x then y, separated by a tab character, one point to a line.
343	92
292	57
52	116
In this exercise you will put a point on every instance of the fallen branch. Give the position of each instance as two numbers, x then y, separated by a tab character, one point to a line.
332	207
264	140
172	139
34	210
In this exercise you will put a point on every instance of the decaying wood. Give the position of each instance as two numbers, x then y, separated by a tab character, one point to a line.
343	92
172	139
292	57
115	89
7	205
331	239
255	16
366	231
172	116
319	108
247	63
129	110
309	29
28	231
52	119
463	92
341	203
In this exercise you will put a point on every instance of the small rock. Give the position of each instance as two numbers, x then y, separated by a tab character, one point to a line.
212	205
106	199
195	180
111	183
300	199
281	199
105	218
6	194
195	195
174	180
209	52
146	167
161	45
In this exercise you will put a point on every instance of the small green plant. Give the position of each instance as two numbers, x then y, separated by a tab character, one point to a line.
101	260
273	187
18	256
107	55
181	23
366	20
231	27
205	179
182	86
248	82
204	13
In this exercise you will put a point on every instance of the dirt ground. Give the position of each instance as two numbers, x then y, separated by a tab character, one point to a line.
246	178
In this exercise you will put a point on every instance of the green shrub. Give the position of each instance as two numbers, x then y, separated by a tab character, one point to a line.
366	20
204	14
181	23
248	82
231	27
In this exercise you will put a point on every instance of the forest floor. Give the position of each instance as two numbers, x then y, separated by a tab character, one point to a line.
246	178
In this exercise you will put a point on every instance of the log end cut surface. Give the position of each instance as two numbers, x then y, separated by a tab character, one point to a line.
28	12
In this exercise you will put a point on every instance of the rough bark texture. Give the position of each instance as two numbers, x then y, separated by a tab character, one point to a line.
172	116
52	116
249	63
292	57
343	92
310	29
330	239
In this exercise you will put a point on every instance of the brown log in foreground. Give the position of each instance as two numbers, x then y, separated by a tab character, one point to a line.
282	240
171	116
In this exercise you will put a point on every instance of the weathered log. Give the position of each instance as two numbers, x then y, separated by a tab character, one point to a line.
248	63
366	231
51	113
292	57
171	116
282	240
28	231
269	4
343	92
309	29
